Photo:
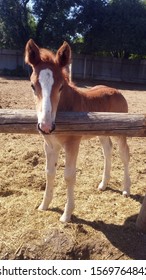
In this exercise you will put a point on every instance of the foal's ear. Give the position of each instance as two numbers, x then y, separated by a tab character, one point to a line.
32	53
63	55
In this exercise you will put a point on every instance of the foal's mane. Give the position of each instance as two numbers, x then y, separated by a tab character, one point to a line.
48	56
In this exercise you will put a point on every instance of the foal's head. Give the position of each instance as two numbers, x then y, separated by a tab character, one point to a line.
47	81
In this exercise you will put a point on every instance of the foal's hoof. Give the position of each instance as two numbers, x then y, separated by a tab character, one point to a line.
65	219
42	208
126	194
101	187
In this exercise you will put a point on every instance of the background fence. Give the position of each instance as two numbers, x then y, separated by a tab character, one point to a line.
84	67
110	69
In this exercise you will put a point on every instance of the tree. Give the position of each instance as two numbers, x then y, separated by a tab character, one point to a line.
16	23
91	24
125	28
117	27
55	21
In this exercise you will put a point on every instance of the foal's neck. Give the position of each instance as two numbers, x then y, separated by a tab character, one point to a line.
70	98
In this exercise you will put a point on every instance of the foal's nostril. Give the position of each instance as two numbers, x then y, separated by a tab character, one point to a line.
43	131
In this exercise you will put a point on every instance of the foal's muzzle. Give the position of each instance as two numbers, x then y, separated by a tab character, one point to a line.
46	133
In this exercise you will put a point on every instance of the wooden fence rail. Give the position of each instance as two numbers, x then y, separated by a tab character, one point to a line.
114	124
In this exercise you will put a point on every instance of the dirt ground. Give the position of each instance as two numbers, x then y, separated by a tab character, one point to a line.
103	224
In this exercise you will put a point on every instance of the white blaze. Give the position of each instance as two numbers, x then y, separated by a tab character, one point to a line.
46	81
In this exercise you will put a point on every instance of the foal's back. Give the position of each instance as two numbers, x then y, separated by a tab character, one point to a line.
96	99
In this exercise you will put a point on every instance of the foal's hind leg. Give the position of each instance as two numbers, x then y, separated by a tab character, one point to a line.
107	151
71	153
52	153
125	157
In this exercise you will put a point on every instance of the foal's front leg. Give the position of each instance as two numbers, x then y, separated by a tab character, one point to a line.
52	153
71	152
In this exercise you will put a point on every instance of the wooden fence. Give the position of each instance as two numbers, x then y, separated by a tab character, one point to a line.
114	124
109	69
86	67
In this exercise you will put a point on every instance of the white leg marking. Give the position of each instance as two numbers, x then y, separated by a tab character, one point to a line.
107	151
51	164
125	157
71	150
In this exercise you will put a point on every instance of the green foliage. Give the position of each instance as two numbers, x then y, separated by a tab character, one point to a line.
91	24
126	28
55	21
15	23
116	27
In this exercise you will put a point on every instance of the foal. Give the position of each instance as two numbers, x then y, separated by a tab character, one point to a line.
54	92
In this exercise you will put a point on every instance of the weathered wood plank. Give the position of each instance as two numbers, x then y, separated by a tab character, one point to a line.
114	124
